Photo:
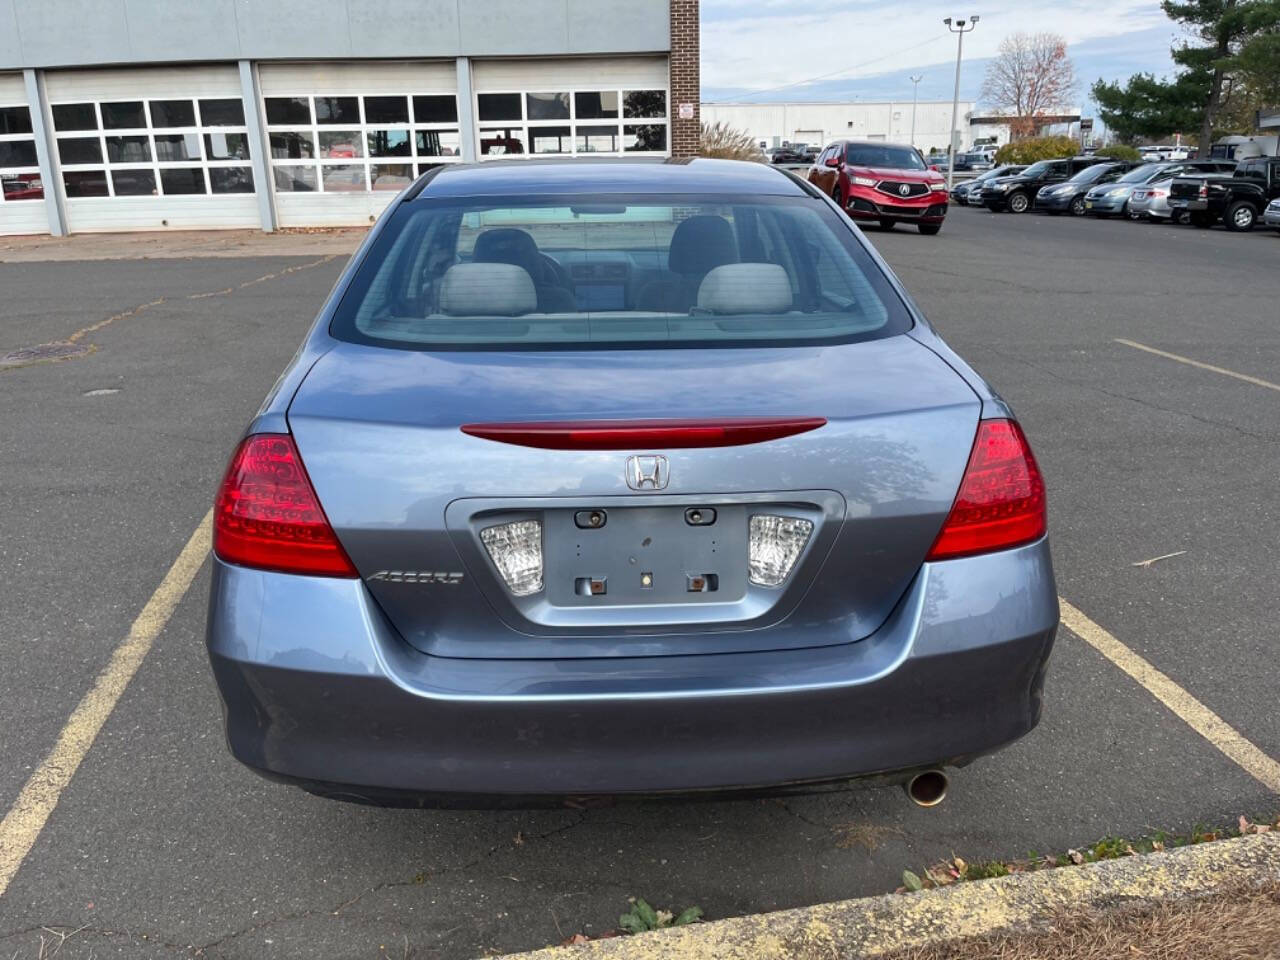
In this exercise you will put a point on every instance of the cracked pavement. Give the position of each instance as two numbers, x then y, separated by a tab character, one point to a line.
162	846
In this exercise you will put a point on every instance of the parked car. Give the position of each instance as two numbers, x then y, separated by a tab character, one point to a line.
1238	200
1151	200
1068	197
439	576
1271	216
1016	194
969	192
791	153
882	182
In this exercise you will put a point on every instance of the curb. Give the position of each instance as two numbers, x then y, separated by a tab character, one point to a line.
869	927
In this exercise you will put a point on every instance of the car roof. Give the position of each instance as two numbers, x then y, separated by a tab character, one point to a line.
604	176
873	143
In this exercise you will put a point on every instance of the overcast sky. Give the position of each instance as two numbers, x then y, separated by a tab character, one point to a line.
873	46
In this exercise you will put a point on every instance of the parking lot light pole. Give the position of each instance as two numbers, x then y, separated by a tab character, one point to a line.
915	98
960	28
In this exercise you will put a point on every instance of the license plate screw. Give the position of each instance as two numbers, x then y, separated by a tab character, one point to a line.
646	580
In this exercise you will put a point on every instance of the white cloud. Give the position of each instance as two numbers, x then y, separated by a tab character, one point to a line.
759	44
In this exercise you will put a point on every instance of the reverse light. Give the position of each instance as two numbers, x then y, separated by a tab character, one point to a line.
267	514
865	181
516	550
774	546
1001	501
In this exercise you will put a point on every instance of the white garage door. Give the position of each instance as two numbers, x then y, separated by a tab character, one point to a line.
22	207
162	148
573	106
347	137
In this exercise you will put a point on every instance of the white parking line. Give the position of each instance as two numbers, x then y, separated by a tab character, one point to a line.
1187	708
21	826
1256	381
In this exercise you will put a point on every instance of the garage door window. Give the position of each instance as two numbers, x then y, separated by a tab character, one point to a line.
345	144
148	148
573	122
19	173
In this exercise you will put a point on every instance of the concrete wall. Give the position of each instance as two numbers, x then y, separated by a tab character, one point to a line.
53	33
820	123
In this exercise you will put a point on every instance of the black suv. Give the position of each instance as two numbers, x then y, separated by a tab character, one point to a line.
1016	194
1238	200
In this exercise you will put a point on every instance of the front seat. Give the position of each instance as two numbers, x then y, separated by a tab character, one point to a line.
509	245
698	246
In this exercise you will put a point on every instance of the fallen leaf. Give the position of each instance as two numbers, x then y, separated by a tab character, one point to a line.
911	881
1075	856
575	940
960	865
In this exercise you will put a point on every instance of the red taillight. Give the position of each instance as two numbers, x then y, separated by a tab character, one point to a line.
1204	190
633	434
267	514
1001	502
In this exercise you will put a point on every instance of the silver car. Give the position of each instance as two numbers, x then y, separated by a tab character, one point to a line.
625	478
1151	201
1271	216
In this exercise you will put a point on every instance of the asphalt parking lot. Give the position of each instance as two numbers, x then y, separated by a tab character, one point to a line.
162	846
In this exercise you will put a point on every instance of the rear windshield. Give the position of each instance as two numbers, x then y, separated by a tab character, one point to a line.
568	272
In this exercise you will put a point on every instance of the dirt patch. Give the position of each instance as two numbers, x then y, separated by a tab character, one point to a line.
1238	925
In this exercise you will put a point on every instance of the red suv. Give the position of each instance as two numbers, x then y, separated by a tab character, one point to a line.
885	182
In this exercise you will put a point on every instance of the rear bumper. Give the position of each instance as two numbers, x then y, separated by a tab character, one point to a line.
318	689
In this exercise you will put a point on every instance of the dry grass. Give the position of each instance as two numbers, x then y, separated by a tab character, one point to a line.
725	143
1244	925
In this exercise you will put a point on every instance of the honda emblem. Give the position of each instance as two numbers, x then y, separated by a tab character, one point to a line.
647	472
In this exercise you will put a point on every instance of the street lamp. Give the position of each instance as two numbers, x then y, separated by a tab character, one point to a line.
915	96
960	28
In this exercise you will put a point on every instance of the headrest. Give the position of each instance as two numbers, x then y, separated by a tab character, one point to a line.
487	290
745	288
507	245
701	243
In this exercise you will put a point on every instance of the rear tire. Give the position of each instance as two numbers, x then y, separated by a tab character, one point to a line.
1018	202
838	198
929	229
1201	220
1241	217
1182	218
1077	207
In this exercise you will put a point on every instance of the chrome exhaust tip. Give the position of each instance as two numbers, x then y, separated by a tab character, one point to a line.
927	788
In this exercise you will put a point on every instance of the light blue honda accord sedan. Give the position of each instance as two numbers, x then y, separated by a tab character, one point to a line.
607	478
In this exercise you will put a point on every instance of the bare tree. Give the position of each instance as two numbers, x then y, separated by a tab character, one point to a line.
1030	76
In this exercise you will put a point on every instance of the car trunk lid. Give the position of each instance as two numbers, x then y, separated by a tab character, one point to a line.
408	490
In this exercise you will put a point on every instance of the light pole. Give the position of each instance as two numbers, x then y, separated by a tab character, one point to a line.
915	97
960	28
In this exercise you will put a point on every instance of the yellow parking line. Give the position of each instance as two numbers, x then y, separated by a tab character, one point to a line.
21	826
1190	710
1256	381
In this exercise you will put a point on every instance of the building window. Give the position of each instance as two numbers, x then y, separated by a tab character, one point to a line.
348	144
149	148
574	122
19	172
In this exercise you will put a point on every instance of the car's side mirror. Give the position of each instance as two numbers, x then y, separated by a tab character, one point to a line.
833	161
934	168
